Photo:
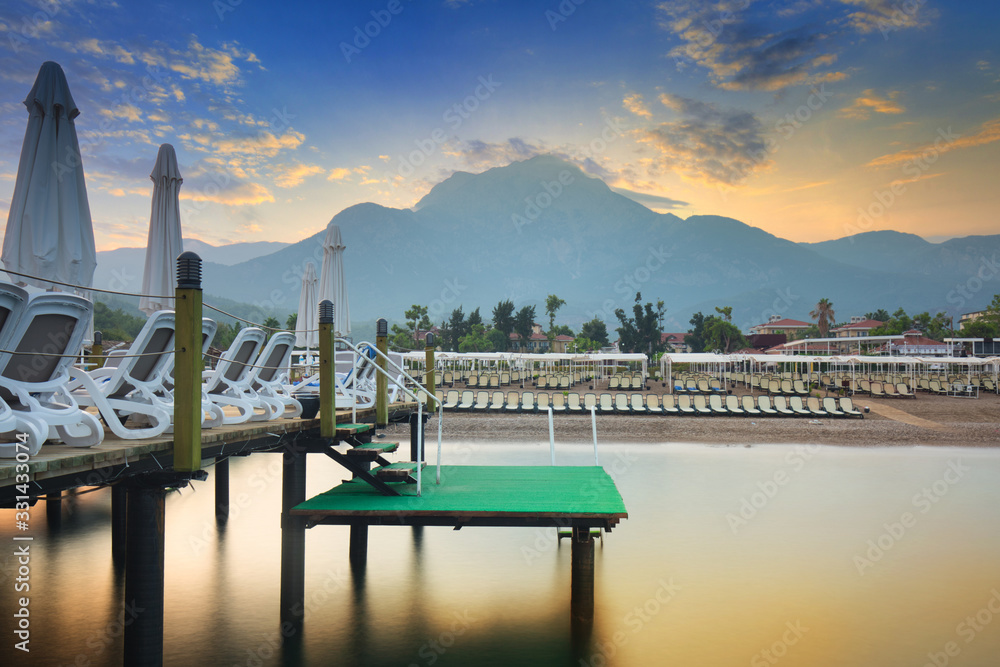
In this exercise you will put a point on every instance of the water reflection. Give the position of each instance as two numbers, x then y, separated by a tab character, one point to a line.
730	556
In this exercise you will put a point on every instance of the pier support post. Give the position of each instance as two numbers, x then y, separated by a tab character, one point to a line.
222	490
582	577
53	509
188	364
358	552
97	350
381	383
118	518
143	605
429	371
293	537
327	372
416	430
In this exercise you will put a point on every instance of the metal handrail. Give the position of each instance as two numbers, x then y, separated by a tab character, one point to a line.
420	406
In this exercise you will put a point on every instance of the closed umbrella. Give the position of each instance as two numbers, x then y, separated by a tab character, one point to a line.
331	281
164	242
49	230
306	324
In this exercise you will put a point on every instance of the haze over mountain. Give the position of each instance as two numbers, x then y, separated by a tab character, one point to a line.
542	227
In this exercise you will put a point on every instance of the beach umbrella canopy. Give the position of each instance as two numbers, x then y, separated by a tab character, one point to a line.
164	242
49	230
307	322
331	280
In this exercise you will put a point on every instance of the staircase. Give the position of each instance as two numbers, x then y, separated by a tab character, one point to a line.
363	452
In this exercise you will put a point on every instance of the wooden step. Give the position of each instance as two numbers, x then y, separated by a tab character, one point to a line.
370	450
397	471
345	430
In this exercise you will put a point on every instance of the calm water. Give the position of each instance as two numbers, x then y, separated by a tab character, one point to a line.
767	555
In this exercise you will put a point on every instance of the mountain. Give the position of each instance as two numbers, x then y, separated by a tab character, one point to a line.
542	226
121	269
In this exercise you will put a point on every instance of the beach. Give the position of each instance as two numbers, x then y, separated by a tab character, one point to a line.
927	420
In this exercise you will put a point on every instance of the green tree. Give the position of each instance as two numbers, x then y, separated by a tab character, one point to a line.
581	345
824	316
116	324
980	328
723	336
523	322
880	315
476	340
641	332
292	321
726	312
595	330
503	321
454	329
897	323
553	304
416	319
992	312
475	318
270	325
695	338
936	327
561	330
498	339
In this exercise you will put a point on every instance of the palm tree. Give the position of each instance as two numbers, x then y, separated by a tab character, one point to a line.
823	315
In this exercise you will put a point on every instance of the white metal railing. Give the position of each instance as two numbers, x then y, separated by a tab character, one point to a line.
420	406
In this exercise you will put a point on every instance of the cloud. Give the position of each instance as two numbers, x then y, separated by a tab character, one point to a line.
738	43
234	194
479	154
739	54
636	105
650	200
883	16
709	144
338	174
289	176
105	49
869	103
946	142
266	143
126	112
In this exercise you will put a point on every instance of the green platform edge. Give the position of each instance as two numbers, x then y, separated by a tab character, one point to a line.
564	490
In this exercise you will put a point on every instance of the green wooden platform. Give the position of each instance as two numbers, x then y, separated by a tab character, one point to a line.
562	496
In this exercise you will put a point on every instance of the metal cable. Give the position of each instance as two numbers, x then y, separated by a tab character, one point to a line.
86	289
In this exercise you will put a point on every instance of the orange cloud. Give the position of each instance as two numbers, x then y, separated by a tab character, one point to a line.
945	143
869	103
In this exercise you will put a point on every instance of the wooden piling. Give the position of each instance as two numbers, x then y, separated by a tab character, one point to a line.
143	604
381	382
327	370
221	489
187	364
293	537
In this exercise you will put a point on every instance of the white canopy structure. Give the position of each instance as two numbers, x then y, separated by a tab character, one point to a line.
600	364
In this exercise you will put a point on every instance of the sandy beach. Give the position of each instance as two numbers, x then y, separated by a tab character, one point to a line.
926	420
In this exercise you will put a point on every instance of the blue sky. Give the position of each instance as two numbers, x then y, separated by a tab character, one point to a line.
812	119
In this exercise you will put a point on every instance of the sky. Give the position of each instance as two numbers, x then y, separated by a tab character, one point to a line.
811	119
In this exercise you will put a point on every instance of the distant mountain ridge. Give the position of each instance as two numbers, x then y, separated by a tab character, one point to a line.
542	226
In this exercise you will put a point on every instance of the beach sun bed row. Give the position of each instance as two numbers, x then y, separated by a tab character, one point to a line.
652	404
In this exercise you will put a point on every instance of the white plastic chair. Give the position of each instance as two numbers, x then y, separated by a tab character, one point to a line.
34	383
229	384
32	431
269	378
135	386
